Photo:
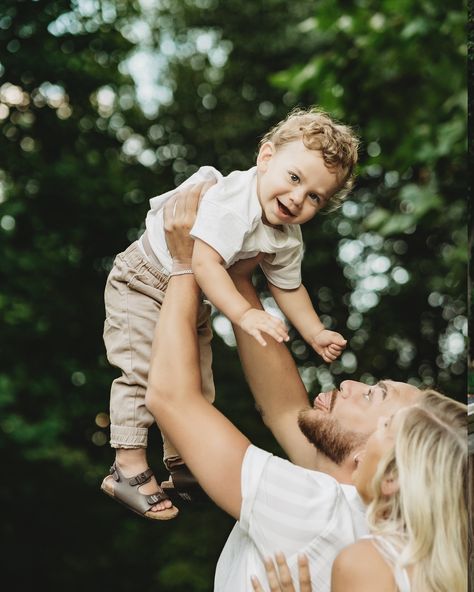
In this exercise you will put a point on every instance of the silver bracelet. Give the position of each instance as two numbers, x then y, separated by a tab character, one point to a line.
181	272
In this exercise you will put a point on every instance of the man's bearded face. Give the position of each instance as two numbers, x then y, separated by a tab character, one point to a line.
327	435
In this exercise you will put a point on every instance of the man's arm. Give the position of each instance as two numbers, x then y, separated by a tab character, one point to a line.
274	381
209	444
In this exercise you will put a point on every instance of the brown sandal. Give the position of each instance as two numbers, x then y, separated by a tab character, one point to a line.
125	490
182	485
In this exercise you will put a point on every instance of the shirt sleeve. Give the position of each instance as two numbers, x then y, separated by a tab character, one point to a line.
204	173
220	227
285	506
283	269
228	213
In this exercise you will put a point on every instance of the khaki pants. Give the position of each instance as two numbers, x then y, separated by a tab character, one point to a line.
133	296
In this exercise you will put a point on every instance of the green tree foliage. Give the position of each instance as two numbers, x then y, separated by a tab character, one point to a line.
83	148
396	71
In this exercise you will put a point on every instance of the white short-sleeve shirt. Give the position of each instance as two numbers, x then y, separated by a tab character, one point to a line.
229	219
290	509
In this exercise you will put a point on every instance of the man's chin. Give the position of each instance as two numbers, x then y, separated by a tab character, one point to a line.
326	434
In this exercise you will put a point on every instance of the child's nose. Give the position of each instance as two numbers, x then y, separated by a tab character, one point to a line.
297	197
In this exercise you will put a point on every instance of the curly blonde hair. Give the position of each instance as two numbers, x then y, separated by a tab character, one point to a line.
337	143
427	518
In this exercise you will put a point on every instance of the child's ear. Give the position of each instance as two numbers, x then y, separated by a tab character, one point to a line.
389	485
267	150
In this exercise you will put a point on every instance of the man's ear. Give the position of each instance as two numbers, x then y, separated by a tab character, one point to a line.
356	457
267	150
389	485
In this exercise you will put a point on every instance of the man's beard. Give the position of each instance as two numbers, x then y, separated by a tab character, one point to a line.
328	436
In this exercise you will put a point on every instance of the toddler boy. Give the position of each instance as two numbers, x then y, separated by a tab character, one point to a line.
304	163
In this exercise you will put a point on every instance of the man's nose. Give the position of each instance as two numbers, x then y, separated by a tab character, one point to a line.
347	388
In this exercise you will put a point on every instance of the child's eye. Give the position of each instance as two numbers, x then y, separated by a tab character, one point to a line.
294	177
314	197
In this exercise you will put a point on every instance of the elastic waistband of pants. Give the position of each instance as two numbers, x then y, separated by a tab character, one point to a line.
150	253
134	256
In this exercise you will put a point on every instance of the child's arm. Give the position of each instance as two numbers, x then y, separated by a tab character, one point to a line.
298	308
215	282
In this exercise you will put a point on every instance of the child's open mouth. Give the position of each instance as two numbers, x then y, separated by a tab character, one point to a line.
283	209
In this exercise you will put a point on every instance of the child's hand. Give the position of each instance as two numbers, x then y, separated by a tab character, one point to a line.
328	344
255	321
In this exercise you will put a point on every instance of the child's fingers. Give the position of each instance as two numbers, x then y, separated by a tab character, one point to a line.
258	336
327	356
335	351
277	334
274	327
278	326
339	341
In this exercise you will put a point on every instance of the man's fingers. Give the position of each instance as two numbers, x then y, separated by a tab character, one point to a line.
168	211
182	206
205	186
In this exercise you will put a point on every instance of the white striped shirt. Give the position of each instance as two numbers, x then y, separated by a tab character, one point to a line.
290	509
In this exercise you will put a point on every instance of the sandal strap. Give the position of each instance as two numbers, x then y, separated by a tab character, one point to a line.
185	484
135	481
126	490
141	478
157	497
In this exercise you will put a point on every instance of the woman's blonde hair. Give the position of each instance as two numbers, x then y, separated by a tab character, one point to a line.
427	518
318	131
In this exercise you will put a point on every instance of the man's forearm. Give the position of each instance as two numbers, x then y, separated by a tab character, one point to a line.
276	385
201	434
175	344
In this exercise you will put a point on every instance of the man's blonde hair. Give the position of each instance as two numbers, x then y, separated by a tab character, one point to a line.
427	518
337	143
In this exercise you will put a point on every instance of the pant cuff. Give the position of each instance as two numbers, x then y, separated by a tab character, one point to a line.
128	437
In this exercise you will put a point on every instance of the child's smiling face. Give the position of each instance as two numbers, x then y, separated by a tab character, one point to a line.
293	183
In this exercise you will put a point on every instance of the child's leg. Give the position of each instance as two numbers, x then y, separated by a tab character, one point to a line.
133	297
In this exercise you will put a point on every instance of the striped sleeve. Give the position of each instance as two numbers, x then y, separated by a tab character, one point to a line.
285	507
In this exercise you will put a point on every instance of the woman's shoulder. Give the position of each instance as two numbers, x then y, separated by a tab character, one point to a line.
361	567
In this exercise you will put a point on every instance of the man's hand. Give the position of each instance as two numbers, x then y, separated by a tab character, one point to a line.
328	344
254	321
179	215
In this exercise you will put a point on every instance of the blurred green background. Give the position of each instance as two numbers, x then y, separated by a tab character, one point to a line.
105	104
